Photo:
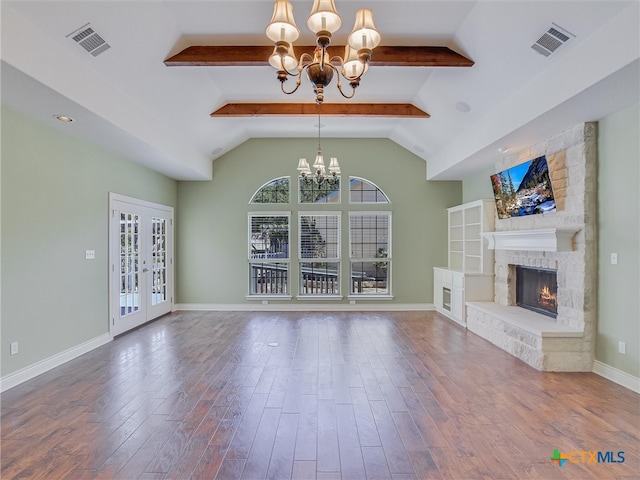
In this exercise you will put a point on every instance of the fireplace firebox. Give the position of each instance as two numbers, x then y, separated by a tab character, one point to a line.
537	289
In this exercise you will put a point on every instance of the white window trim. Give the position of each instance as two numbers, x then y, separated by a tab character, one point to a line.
250	261
364	296
319	296
263	297
388	258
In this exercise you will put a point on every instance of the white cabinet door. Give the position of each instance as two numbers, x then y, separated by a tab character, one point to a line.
457	304
437	294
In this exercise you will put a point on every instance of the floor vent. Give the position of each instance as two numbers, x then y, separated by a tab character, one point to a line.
88	39
551	40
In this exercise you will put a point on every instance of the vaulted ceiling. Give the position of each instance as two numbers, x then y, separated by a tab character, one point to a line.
149	99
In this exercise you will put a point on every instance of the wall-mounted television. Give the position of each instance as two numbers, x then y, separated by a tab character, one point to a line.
524	189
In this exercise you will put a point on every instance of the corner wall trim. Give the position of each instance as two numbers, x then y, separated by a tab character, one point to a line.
38	368
616	376
360	306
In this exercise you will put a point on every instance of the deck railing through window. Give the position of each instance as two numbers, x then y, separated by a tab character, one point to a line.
272	278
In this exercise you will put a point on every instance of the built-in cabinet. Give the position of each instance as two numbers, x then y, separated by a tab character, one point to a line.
451	289
468	251
469	275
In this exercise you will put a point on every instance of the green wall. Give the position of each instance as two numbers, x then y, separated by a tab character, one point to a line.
55	192
619	232
212	216
477	187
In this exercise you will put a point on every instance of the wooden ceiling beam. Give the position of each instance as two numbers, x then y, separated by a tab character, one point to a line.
246	56
402	110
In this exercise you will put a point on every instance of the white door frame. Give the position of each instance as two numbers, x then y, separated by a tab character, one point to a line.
114	258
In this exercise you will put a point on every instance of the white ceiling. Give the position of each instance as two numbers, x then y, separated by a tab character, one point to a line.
127	100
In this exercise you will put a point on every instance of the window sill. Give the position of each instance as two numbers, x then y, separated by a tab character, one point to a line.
268	297
319	297
370	297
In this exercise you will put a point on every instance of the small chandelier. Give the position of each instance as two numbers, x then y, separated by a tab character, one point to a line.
319	175
323	21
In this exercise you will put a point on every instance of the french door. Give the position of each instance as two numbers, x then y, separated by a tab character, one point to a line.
140	262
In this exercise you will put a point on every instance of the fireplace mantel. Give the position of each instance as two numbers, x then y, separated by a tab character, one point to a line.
540	240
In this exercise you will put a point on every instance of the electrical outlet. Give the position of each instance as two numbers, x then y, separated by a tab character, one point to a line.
614	259
622	348
14	348
90	254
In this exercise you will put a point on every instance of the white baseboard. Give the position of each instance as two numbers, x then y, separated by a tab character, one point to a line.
32	371
616	376
305	307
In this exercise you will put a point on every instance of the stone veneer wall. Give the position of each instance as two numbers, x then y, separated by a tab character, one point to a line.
572	159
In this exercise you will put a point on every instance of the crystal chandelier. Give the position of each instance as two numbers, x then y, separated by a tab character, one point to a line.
323	20
319	174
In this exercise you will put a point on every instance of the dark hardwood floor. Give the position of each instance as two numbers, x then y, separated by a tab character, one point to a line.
400	396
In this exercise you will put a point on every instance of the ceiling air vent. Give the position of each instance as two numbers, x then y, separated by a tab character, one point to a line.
551	40
88	39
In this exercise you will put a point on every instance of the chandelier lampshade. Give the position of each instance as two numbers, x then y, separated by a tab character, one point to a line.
282	27
323	20
353	67
324	17
364	34
334	168
288	61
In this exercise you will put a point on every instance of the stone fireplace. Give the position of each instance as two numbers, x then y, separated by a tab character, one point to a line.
562	242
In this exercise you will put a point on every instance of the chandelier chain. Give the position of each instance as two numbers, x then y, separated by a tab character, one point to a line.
319	106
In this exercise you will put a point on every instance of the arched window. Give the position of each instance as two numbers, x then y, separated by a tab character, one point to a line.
364	191
274	191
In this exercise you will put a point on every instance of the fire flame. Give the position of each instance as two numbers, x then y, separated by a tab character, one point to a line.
545	297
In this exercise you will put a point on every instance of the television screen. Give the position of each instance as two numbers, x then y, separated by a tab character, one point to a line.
524	189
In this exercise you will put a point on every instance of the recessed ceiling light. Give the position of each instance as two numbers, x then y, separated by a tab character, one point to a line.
463	107
63	118
216	151
503	149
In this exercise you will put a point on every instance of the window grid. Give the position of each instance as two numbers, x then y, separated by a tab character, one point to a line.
319	253
364	191
370	253
319	236
269	278
269	253
320	278
311	192
274	191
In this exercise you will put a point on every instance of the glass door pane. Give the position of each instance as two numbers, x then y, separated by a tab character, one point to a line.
159	260
129	263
